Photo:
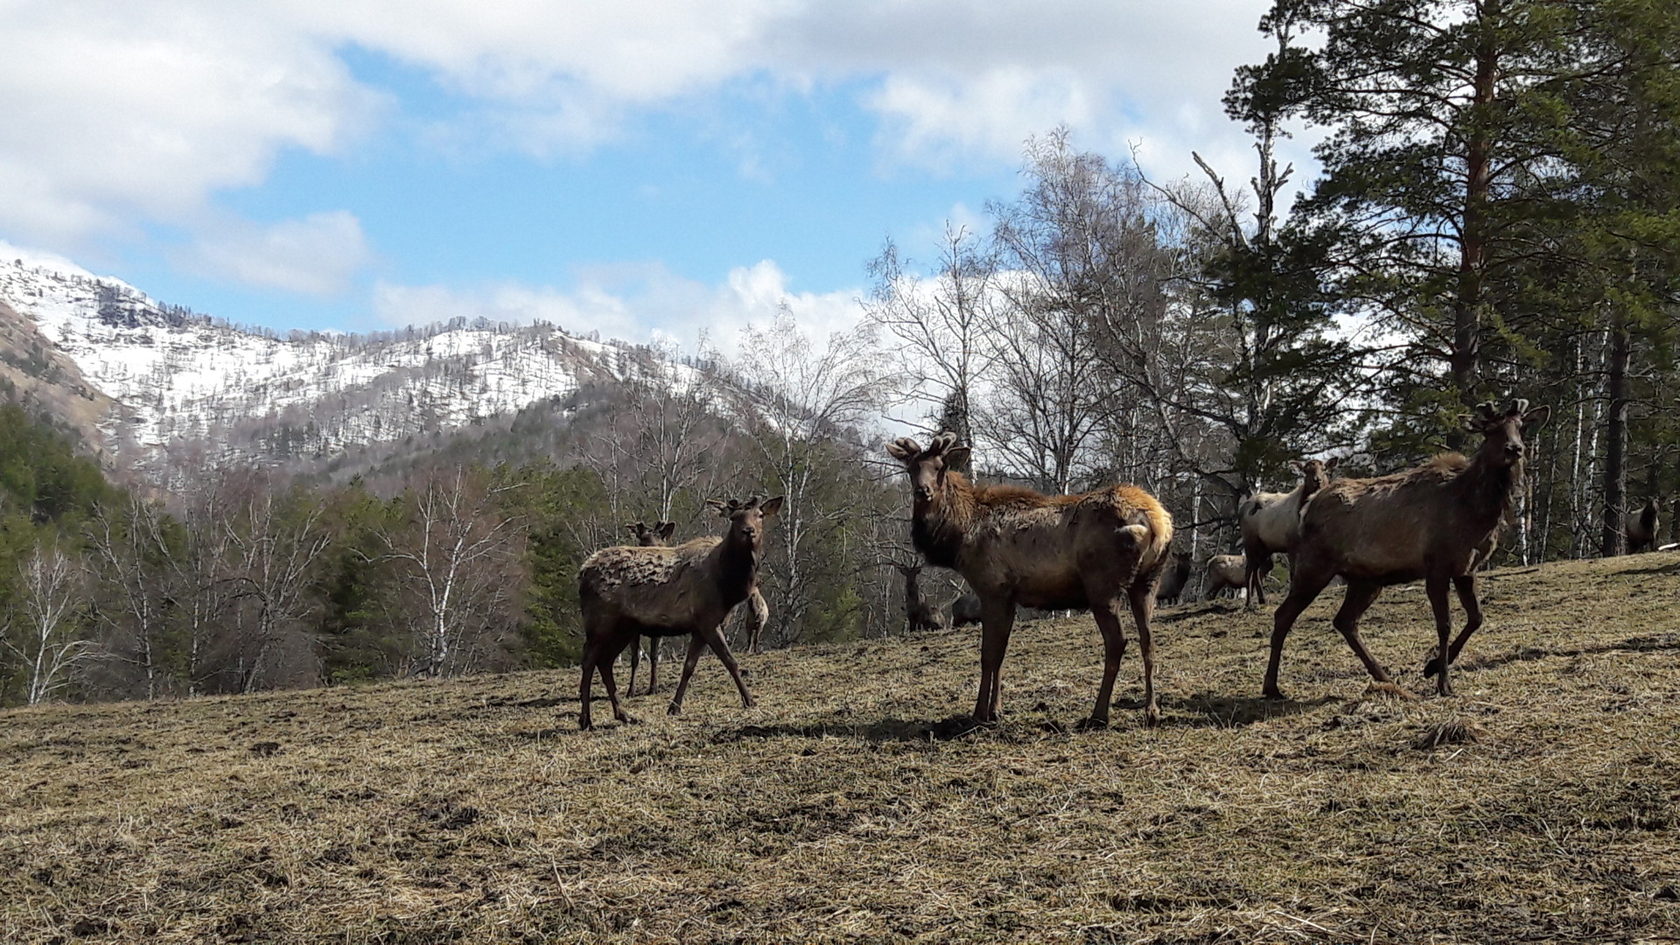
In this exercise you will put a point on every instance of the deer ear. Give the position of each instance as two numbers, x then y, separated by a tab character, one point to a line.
666	528
1332	463
903	449
956	456
1536	417
631	527
771	506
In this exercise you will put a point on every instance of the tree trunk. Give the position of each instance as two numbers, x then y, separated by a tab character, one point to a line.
1615	446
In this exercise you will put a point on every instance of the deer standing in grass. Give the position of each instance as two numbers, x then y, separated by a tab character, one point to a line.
758	612
1271	523
1099	551
1436	522
1641	528
688	590
657	535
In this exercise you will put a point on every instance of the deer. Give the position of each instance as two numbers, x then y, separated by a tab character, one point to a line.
758	610
1436	522
686	590
1641	529
918	613
1225	572
646	536
1173	579
1098	550
1271	523
965	610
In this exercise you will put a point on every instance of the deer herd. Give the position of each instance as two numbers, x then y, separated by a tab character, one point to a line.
1108	551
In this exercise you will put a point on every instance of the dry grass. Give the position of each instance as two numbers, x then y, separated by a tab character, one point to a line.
1540	804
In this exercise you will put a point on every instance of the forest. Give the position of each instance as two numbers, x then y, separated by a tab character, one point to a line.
1495	214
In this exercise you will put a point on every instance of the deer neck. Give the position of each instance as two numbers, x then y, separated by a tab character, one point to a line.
940	530
1489	489
737	561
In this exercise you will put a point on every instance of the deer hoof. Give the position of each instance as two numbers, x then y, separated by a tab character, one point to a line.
584	724
1273	692
1152	716
628	719
1432	667
1092	724
674	708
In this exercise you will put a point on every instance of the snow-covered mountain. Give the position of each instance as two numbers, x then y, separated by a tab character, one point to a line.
178	379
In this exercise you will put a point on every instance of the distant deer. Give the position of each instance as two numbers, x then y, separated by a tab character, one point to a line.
1271	523
1436	522
658	591
965	610
918	613
1225	572
647	537
1095	551
1173	579
1642	528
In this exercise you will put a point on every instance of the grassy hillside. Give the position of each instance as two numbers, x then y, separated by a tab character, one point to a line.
1542	803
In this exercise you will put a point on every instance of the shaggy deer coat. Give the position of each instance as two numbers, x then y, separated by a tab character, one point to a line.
1436	522
1095	551
656	591
1642	528
1271	523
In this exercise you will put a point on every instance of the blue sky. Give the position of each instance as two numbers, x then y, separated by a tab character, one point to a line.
643	168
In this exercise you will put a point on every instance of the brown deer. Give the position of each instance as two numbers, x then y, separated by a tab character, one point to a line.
918	613
1225	572
1436	522
965	610
1642	528
1271	523
1015	547
657	535
1173	579
658	591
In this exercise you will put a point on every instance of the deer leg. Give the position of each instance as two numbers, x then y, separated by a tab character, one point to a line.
1143	609
998	619
720	646
1114	651
695	645
760	617
635	662
1360	595
591	653
609	653
653	664
1302	591
1466	587
1437	590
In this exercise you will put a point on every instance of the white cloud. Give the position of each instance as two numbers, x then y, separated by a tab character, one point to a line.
315	255
639	303
119	113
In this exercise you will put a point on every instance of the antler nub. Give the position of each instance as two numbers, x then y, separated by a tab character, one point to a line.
1518	408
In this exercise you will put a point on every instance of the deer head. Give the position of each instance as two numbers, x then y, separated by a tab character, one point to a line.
747	519
927	467
1502	433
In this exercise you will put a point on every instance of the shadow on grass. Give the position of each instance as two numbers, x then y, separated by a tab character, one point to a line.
1649	643
877	730
1226	711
